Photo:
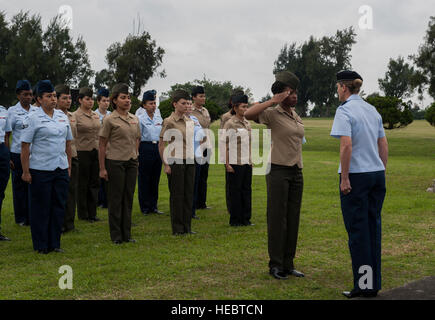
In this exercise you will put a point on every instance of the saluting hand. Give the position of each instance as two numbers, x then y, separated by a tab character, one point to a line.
27	177
280	97
104	175
345	186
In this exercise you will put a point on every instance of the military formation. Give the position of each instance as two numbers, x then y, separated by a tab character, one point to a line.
62	162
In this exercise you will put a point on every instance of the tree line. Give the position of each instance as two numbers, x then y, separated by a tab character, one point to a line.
31	52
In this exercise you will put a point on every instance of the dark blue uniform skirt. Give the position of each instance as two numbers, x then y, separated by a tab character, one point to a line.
48	193
4	173
361	210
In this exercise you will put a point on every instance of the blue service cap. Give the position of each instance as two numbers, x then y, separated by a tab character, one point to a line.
103	92
44	86
23	85
149	95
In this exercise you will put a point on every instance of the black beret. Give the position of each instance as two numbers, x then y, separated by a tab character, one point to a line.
103	92
240	98
348	75
149	95
119	88
44	86
62	89
197	90
180	94
87	92
23	85
288	78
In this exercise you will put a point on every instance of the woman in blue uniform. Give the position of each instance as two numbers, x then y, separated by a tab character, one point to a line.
363	159
17	115
4	160
46	160
150	164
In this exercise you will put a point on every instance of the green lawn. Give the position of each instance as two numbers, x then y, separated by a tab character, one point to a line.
231	263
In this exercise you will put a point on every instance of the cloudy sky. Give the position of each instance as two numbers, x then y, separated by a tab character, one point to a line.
239	40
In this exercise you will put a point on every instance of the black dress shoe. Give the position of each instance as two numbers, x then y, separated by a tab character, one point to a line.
117	241
195	217
43	251
4	238
131	240
21	224
295	273
277	274
59	250
352	294
192	232
95	219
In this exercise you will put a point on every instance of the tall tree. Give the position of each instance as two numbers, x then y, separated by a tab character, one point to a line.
29	52
66	62
316	63
133	62
425	61
398	79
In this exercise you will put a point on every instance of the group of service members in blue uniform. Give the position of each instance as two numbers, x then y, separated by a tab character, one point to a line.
61	160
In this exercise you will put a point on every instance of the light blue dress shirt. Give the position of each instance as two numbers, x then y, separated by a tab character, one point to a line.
4	123
47	137
141	110
102	115
150	128
198	136
361	121
17	115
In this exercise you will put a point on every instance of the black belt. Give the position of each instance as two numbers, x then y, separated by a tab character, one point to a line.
150	142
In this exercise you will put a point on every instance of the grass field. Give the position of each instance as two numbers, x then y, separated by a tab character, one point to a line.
231	263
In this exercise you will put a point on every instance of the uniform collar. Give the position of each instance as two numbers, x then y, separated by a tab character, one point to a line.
281	110
352	97
81	112
115	113
21	107
177	118
235	119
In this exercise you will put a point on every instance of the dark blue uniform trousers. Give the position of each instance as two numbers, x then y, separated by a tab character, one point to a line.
196	187
48	194
20	191
4	173
361	210
150	168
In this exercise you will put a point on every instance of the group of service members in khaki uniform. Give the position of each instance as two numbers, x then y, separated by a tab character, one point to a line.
106	146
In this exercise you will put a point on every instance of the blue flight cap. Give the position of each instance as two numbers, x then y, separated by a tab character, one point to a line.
23	85
149	95
103	92
44	86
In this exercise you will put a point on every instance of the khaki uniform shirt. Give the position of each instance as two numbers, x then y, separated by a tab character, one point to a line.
122	133
185	127
72	123
203	117
224	118
88	127
239	132
287	132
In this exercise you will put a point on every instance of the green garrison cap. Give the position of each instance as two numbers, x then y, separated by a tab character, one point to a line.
87	92
288	78
119	88
180	94
62	89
